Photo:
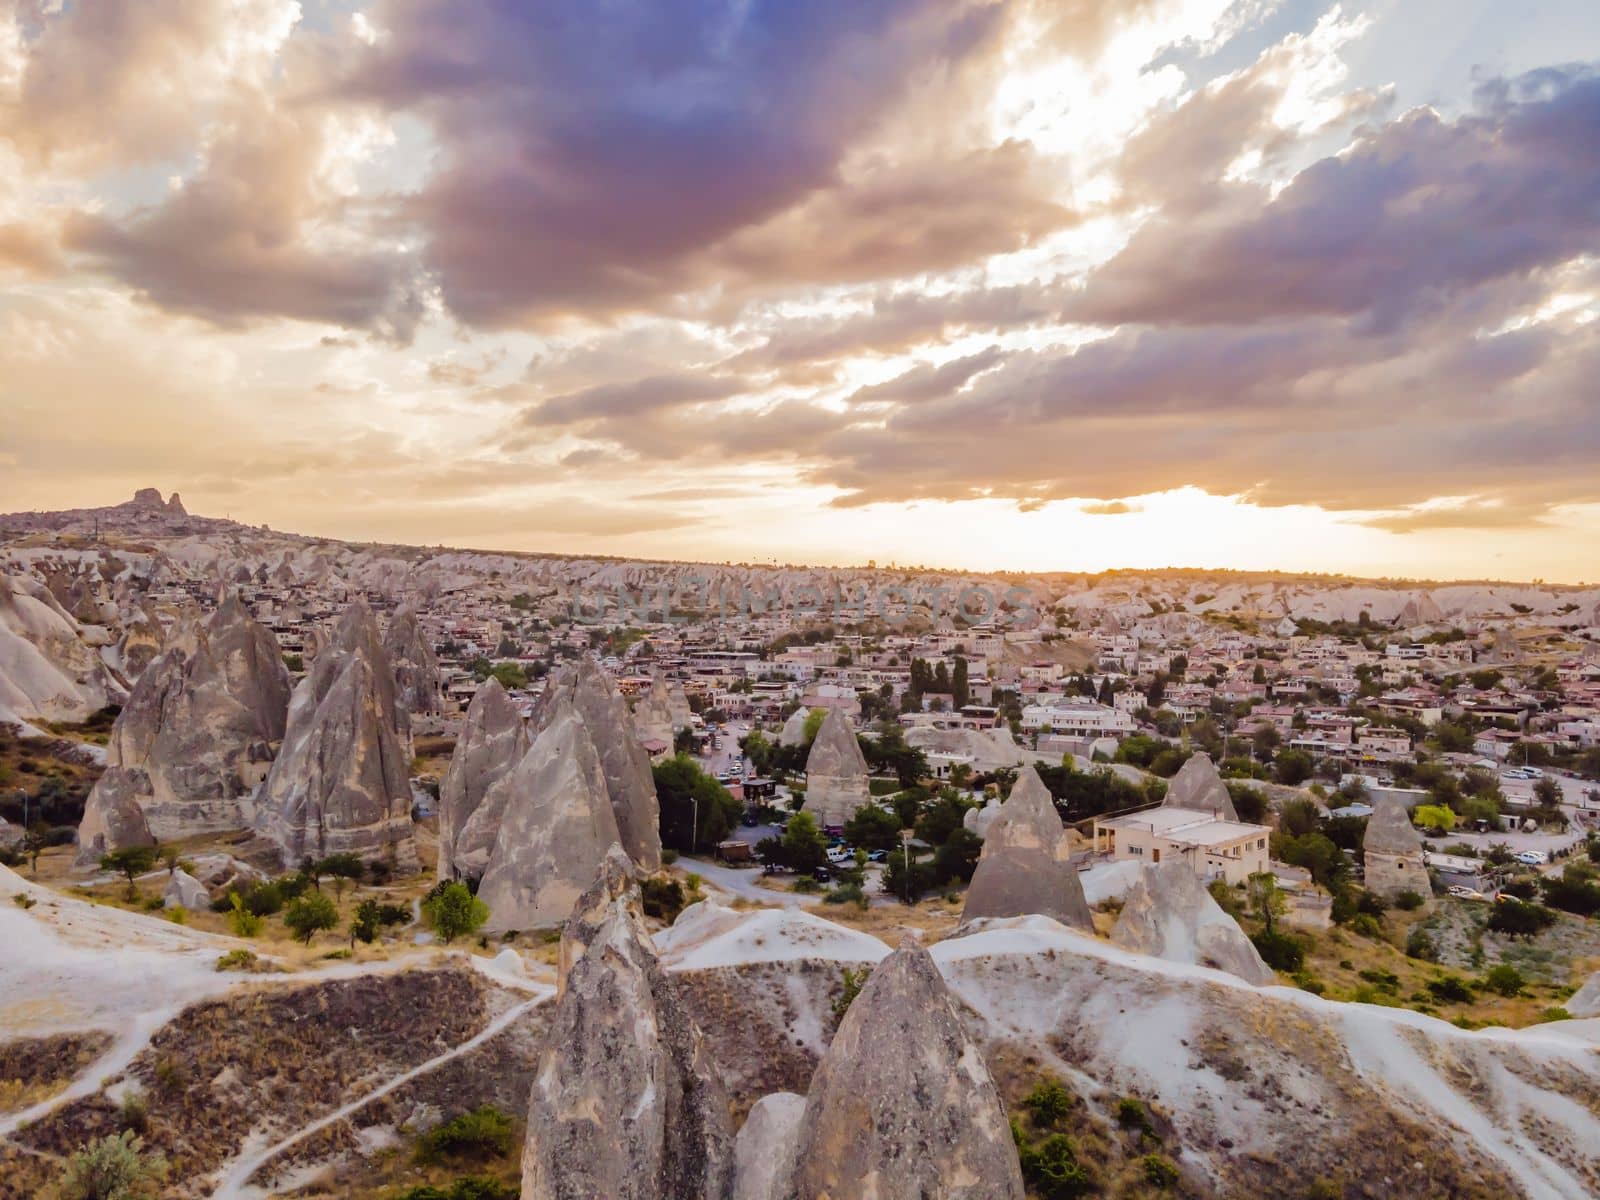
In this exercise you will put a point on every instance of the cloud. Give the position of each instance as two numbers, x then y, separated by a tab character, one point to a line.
1110	508
249	236
117	82
598	166
1414	213
1470	514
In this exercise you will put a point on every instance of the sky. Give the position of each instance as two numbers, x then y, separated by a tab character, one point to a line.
994	284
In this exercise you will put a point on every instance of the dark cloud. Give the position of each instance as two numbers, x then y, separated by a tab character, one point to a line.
593	163
1413	214
637	398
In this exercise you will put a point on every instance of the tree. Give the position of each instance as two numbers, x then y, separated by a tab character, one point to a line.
1267	900
804	847
907	876
113	1168
940	819
1518	918
1435	817
366	923
510	674
309	914
1265	740
342	868
1547	792
686	794
130	861
454	911
1293	767
1299	817
814	720
958	683
873	828
958	857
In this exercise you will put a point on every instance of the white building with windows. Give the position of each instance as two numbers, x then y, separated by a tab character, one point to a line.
1215	848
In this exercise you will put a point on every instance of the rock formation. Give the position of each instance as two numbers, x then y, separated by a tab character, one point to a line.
341	782
652	716
194	739
901	1106
48	671
624	761
141	641
1026	864
836	772
185	891
1197	785
626	1101
557	825
1585	1002
979	821
416	669
793	732
616	883
494	739
763	1153
678	709
1392	848
1168	913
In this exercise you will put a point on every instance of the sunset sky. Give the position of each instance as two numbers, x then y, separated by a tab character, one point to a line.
1031	284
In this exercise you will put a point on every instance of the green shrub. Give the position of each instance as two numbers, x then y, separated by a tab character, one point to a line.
1517	918
1279	951
237	960
1131	1114
1504	979
134	1113
1450	989
1052	1170
309	915
1409	901
474	1187
1366	925
1048	1103
662	898
1158	1171
1419	944
485	1132
113	1168
846	893
241	920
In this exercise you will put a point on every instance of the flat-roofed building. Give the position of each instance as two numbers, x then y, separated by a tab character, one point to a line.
1231	850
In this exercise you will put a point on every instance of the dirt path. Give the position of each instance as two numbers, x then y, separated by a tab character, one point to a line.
235	1183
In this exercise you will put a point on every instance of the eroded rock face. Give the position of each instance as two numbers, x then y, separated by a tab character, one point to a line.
1169	914
1198	785
494	739
1585	1002
836	772
626	766
341	782
979	821
416	668
47	669
1026	864
793	732
1392	848
652	715
763	1153
557	825
195	738
617	883
185	891
626	1101
902	1106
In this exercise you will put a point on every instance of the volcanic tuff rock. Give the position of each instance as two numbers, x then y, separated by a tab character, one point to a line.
416	669
652	716
1392	848
340	782
1168	913
626	1101
793	732
47	670
629	780
902	1106
763	1153
1197	785
617	883
493	740
141	642
195	737
1026	864
836	772
557	826
185	891
1585	1002
978	821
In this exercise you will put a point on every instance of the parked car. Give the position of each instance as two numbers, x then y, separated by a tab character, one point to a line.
1465	893
877	856
822	875
1533	858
